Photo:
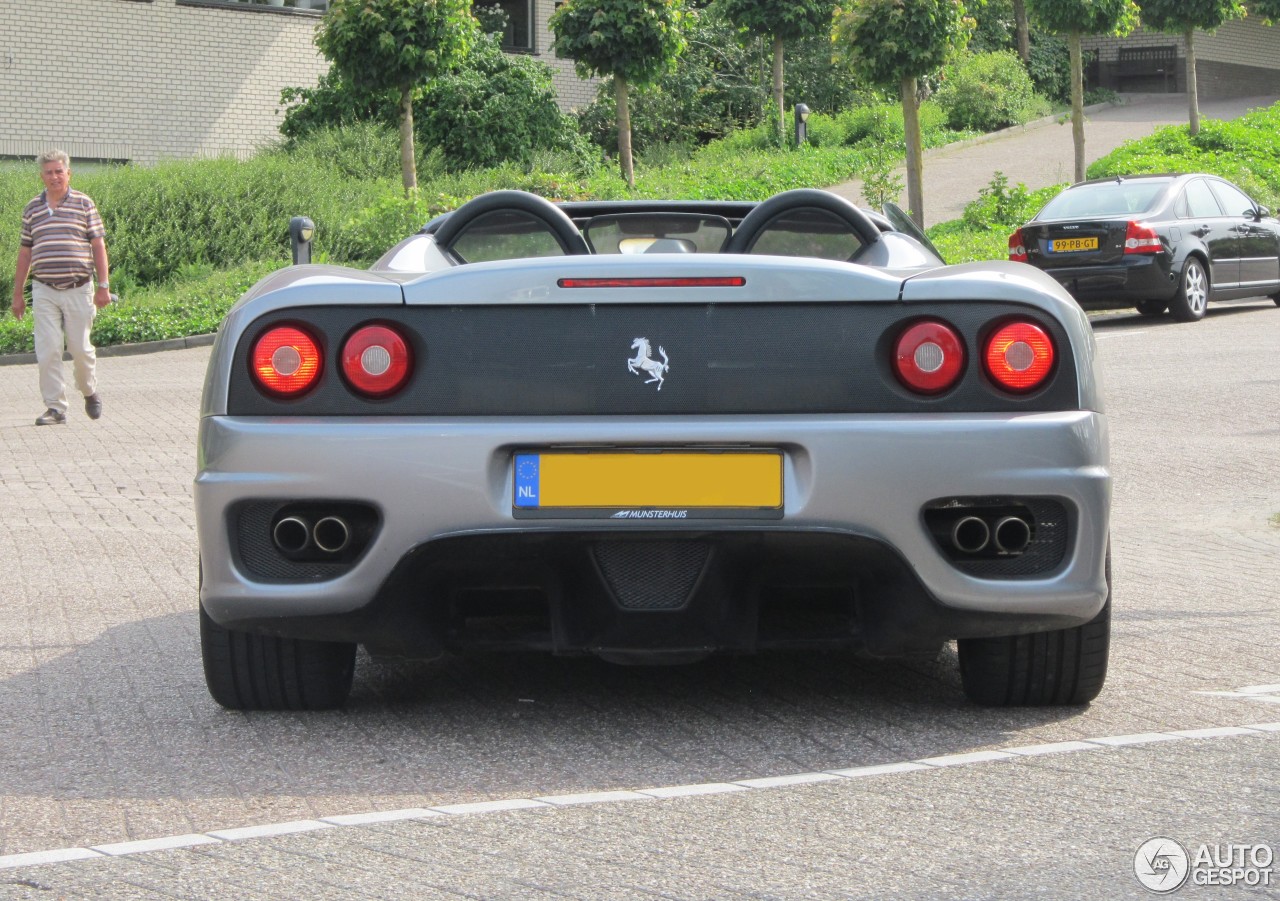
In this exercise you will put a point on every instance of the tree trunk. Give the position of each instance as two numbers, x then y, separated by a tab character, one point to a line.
1022	30
1193	98
778	98
624	130
915	167
1077	101
408	165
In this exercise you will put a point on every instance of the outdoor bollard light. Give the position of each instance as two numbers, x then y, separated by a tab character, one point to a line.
300	231
802	130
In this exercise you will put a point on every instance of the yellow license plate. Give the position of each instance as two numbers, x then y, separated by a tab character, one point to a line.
1073	245
660	484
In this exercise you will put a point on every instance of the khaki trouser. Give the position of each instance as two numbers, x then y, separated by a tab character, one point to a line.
57	311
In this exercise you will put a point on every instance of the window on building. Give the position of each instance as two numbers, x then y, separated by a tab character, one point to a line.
519	33
312	5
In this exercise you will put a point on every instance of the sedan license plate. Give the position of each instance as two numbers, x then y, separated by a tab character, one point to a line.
1072	245
647	485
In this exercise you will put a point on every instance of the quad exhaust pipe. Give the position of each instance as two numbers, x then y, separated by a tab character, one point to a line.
291	534
970	535
329	534
1011	535
973	535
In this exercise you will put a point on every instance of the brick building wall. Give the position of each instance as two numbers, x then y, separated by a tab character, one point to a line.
145	80
148	79
1241	59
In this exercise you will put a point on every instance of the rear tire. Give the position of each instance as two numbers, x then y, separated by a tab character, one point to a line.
245	671
1057	668
1152	307
1194	288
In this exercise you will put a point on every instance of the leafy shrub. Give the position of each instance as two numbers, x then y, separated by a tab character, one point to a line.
1004	207
360	150
500	108
495	109
334	102
986	91
1050	67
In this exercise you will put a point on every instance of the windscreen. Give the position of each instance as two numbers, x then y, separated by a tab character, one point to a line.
656	233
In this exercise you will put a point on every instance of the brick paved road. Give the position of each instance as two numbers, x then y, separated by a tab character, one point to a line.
108	735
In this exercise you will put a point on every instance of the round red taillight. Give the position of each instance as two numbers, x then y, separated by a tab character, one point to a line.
286	361
1019	357
929	357
376	360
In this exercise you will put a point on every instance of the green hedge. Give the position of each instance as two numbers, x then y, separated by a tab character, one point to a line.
1245	151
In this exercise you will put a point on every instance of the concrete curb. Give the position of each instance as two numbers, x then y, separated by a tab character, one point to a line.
122	350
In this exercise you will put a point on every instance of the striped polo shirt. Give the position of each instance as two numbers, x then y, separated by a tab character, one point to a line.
59	238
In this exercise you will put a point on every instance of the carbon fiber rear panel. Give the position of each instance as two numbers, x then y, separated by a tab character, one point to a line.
752	358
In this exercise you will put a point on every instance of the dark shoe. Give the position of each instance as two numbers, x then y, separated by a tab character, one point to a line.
93	406
51	417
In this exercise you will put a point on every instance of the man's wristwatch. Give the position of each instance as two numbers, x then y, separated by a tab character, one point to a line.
104	284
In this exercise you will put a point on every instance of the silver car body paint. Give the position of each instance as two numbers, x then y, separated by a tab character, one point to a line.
863	474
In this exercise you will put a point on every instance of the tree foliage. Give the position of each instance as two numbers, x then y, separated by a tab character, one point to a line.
635	41
1185	17
778	23
1267	10
1073	18
895	42
384	44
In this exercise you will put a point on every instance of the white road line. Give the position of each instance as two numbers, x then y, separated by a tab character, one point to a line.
61	855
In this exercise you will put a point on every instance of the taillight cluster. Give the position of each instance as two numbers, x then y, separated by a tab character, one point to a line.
929	356
287	361
1141	238
1017	247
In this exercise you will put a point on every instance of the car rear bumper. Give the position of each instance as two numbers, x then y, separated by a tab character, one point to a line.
1136	278
852	541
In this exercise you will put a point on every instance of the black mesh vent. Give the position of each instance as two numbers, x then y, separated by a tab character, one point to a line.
651	575
740	358
251	531
1049	537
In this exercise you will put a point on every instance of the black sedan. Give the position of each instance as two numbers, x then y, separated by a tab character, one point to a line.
1156	242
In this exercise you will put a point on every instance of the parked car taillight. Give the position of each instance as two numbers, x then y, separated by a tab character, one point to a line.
286	361
1019	356
1141	238
929	357
1017	247
376	360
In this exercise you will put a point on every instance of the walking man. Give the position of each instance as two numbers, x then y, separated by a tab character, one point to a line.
62	246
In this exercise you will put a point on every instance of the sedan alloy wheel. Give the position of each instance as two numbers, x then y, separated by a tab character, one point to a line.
1189	304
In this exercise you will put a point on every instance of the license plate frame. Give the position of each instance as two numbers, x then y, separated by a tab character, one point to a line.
647	485
1073	245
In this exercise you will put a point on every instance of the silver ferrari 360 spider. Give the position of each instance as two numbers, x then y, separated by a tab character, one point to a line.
652	432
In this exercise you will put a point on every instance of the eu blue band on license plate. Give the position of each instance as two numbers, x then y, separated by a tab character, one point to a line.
648	484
